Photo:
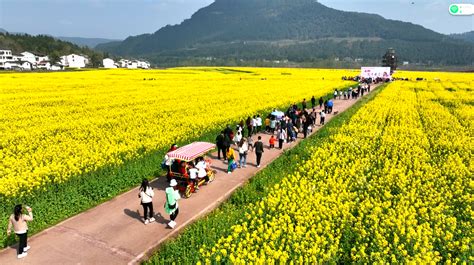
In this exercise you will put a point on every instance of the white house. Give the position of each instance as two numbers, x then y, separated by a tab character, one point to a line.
17	57
143	64
25	65
132	65
29	57
123	63
57	67
18	65
74	61
5	56
108	63
41	58
45	65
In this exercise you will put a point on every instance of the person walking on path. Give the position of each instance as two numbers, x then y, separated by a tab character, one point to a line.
273	123
254	125
220	145
249	126
258	122
313	102
323	117
330	105
272	142
243	150
259	150
242	127
250	143
314	116
18	221
227	144
303	104
237	138
146	194
306	124
289	131
171	205
230	159
267	124
335	93
281	137
321	101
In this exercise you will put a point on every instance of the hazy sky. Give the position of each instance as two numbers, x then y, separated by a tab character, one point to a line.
122	18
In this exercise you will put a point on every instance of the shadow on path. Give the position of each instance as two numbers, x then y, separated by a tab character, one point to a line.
136	215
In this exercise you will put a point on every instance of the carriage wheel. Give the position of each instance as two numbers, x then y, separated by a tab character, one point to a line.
211	176
188	192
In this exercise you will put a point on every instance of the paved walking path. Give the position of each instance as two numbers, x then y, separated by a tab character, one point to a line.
113	232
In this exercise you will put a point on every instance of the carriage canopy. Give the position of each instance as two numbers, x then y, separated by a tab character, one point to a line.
191	151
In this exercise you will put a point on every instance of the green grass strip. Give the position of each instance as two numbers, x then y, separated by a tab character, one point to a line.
184	249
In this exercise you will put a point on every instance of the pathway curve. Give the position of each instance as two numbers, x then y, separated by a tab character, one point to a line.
113	233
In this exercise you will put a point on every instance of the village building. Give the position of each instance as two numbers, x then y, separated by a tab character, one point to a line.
41	58
108	63
5	56
28	56
44	65
132	65
143	64
57	67
74	61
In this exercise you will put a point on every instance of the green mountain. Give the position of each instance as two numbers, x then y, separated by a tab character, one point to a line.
295	30
46	45
85	42
467	36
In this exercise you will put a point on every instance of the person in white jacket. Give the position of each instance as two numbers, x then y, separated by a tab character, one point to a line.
146	194
243	150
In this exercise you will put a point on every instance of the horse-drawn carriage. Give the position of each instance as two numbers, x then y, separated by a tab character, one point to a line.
188	157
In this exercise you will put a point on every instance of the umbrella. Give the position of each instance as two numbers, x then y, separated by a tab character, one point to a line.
278	114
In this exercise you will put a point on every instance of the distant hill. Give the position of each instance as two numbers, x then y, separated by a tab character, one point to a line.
46	45
297	30
85	42
80	41
467	36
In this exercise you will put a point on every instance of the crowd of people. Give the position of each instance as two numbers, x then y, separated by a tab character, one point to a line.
284	127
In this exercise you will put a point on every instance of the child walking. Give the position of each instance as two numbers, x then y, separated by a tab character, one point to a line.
250	143
272	142
230	159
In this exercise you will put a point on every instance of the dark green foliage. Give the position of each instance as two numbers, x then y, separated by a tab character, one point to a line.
467	36
46	45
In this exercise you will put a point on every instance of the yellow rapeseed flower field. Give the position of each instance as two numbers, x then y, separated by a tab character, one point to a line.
393	185
58	125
